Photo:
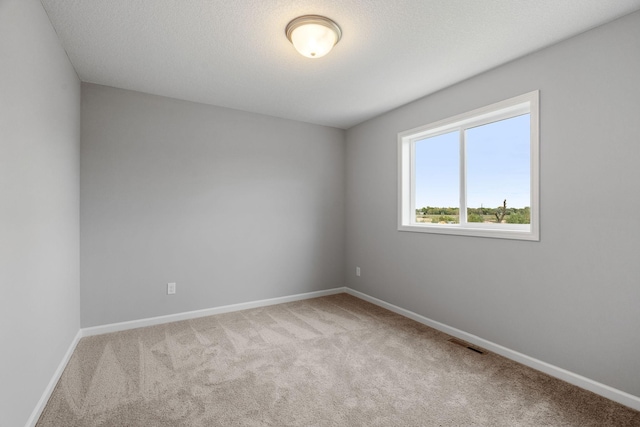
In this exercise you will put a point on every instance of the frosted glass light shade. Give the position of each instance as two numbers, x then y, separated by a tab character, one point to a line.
312	35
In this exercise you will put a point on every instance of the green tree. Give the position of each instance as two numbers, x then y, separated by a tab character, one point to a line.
474	217
447	219
518	218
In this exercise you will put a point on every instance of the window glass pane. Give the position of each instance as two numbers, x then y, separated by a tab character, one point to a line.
437	179
498	169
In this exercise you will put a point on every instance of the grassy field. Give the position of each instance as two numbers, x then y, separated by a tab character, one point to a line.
456	218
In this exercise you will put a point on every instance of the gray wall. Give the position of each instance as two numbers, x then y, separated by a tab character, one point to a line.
572	299
231	206
39	206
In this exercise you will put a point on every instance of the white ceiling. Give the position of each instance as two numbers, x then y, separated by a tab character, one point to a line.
234	53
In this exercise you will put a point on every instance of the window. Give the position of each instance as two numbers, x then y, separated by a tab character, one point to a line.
475	174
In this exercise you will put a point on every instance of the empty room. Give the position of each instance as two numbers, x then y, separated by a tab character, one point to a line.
319	213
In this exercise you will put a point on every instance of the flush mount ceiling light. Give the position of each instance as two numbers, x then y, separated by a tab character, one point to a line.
312	35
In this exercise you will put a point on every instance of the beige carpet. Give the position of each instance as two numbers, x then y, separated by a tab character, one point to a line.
331	361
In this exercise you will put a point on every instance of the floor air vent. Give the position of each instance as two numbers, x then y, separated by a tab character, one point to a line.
466	345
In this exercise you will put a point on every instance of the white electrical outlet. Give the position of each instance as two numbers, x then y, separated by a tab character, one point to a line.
171	288
358	271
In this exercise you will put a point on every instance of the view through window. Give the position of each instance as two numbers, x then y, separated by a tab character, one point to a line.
474	174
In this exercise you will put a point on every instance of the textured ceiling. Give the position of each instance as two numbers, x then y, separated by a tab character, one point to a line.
234	53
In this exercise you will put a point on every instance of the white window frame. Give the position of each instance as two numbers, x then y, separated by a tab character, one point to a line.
523	104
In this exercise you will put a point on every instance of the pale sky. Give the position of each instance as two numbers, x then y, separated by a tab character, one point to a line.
497	166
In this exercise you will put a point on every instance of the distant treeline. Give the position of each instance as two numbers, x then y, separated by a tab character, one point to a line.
501	214
430	210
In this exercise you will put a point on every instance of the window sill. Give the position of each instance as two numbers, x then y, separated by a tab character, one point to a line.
513	232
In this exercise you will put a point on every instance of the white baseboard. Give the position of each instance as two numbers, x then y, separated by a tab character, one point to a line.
140	323
570	377
37	411
115	327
